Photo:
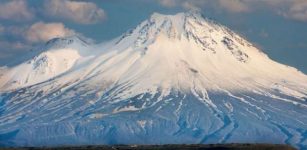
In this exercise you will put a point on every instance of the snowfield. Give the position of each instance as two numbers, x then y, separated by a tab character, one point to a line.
173	79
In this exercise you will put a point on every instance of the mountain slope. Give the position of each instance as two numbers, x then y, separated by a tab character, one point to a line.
173	79
57	56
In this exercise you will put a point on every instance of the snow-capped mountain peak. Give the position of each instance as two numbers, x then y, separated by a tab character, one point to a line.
173	79
170	44
71	41
57	56
190	26
186	45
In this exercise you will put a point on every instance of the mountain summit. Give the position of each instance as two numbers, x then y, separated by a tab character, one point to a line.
173	79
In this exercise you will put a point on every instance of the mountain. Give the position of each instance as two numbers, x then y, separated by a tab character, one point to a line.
173	79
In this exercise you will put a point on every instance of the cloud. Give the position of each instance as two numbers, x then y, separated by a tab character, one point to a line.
292	9
192	5
15	10
235	6
10	48
168	3
297	11
186	4
14	45
19	39
77	11
41	32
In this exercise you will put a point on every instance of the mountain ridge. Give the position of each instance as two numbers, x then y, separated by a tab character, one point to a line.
173	79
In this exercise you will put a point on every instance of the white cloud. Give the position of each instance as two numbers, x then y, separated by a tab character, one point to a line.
297	11
292	9
186	4
8	48
168	3
37	32
192	5
15	10
77	11
235	6
25	37
41	32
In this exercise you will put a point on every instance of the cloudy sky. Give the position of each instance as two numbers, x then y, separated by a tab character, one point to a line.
278	27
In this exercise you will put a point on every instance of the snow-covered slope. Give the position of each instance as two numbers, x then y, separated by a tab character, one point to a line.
173	79
58	56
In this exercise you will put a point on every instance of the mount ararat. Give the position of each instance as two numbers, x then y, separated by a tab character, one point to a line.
173	79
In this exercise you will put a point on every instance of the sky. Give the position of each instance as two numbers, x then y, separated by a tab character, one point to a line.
277	27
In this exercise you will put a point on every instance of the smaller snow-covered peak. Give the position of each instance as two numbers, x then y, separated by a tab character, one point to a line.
41	68
64	42
80	44
52	59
